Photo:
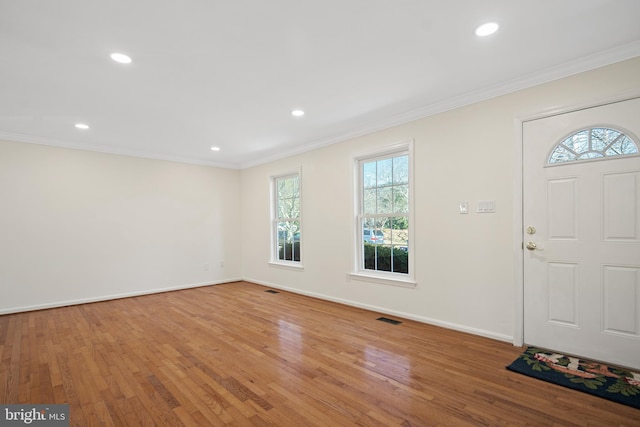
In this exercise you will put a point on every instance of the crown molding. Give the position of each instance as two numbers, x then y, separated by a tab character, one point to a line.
17	137
587	63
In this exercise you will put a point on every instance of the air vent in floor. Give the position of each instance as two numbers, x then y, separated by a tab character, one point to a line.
271	291
387	320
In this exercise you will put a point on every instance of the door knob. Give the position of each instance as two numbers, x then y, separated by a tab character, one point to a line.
532	246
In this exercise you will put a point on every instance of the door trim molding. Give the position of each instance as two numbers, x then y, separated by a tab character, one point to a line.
518	200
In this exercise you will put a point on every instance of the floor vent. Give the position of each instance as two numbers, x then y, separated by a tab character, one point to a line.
387	320
271	291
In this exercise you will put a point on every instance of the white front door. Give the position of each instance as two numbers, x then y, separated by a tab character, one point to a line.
582	238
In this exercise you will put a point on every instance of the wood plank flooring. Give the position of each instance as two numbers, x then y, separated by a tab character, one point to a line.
234	354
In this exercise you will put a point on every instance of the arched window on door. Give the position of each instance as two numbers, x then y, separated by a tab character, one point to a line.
593	143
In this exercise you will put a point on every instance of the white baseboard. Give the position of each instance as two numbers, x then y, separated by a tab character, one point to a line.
383	310
111	297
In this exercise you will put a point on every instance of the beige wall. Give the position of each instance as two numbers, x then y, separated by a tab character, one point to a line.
80	226
466	265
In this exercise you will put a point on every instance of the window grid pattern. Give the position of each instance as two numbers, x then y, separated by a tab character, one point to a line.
286	223
383	216
593	143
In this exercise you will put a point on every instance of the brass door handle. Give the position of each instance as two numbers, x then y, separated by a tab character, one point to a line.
532	246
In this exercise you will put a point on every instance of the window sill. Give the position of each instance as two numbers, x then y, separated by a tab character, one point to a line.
287	265
383	280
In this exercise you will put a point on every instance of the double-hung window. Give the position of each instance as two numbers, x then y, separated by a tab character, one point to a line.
383	215
286	223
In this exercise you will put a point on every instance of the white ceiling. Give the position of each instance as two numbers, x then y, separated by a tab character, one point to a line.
228	73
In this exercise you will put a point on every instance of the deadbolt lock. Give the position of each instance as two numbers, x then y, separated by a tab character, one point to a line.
531	230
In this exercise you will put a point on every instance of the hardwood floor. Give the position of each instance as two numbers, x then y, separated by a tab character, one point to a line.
236	355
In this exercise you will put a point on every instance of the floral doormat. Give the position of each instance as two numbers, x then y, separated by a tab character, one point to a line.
616	384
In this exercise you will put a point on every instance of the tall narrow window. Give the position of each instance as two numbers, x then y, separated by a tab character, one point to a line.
383	218
286	218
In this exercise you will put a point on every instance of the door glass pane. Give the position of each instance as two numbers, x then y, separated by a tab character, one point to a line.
594	143
590	155
602	137
623	146
578	143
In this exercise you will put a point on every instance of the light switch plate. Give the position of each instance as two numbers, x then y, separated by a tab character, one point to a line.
486	206
464	207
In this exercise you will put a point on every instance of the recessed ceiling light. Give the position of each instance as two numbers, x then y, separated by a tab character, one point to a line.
215	148
297	113
487	29
121	58
82	126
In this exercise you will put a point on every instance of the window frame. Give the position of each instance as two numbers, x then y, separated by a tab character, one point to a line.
275	219
358	271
